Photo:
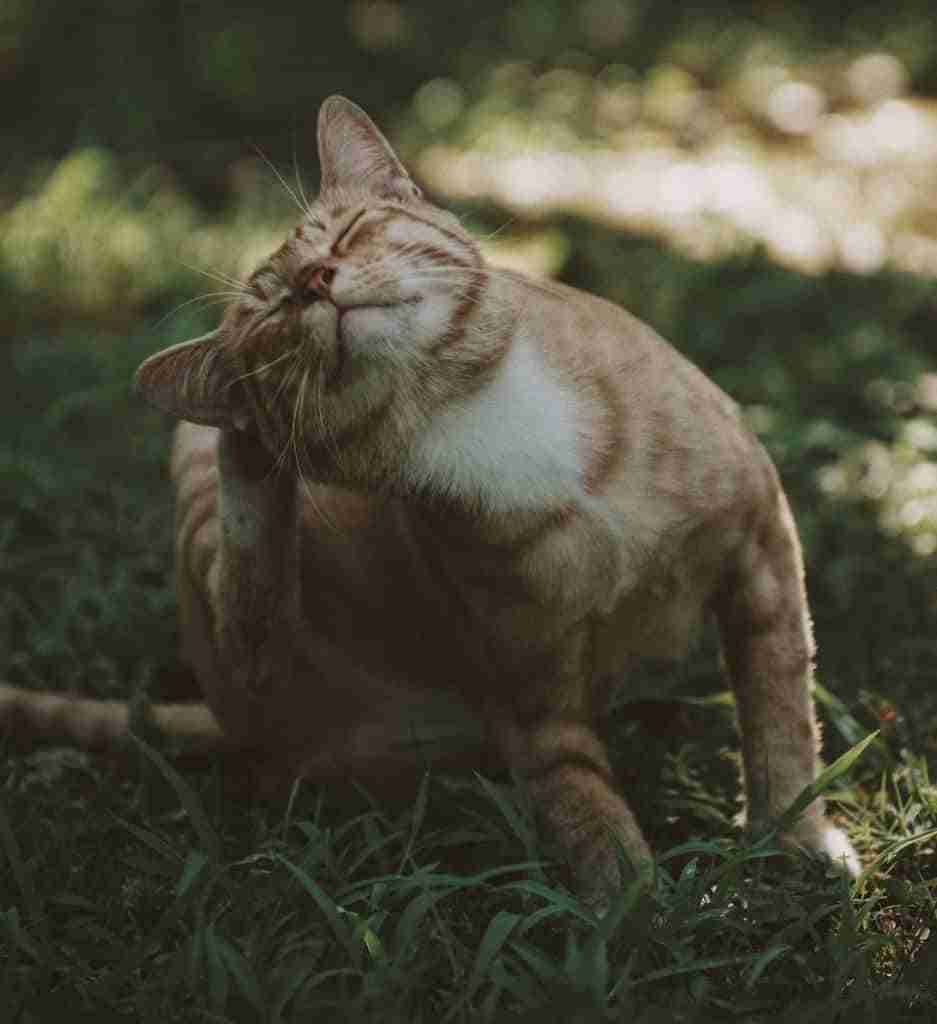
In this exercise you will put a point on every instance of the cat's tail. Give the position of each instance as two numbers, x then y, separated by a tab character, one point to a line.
37	716
382	749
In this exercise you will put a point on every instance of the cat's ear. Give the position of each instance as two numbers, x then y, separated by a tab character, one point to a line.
193	381
352	151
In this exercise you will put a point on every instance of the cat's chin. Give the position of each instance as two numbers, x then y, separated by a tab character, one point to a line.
362	329
363	320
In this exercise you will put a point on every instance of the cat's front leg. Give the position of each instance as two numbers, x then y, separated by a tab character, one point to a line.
768	649
257	603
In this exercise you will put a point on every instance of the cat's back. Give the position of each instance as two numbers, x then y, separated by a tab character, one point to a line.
671	475
661	428
592	338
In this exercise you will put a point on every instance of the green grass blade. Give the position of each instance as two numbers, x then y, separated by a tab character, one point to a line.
11	922
24	882
527	990
21	872
330	910
195	863
761	964
216	968
207	836
810	793
521	828
156	843
240	970
407	930
416	820
365	933
554	897
697	966
846	723
373	846
543	966
892	851
499	930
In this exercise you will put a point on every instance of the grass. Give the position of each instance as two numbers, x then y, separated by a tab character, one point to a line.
133	892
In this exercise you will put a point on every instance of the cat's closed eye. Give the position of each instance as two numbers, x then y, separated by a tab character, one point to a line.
345	235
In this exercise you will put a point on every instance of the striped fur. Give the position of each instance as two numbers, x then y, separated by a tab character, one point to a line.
421	500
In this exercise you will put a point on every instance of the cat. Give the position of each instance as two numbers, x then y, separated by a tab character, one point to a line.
427	509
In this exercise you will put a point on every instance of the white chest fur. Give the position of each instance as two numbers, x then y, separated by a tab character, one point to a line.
511	445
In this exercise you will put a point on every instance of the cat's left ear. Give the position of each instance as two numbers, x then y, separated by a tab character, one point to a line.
352	151
194	381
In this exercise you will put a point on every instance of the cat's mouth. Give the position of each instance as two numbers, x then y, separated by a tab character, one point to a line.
347	334
345	337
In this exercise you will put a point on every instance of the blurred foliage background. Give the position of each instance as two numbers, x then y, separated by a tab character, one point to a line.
755	179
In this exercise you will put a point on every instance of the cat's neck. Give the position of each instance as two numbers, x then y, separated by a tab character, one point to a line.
510	447
491	425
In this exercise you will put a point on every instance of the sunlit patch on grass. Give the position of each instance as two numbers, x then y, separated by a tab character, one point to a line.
823	166
900	477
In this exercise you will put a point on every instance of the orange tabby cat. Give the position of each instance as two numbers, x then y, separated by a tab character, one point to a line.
423	503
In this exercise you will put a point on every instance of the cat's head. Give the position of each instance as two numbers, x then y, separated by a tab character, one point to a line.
373	281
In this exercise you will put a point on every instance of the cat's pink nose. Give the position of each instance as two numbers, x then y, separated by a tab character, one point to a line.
319	281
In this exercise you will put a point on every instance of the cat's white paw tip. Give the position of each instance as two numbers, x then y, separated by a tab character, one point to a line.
828	841
835	845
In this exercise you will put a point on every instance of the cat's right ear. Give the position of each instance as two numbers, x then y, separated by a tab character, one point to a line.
193	381
353	150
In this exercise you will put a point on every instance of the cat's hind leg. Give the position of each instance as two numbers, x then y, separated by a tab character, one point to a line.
564	766
768	649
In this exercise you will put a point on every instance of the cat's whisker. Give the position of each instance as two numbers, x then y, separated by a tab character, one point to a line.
219	276
291	353
497	231
413	266
328	439
209	299
392	275
288	379
301	452
497	273
295	420
283	457
543	285
416	262
292	434
307	207
263	156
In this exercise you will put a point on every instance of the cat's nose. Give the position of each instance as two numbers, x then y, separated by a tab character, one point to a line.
319	282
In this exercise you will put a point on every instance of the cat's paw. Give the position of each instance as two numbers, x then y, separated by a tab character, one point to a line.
828	841
611	871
